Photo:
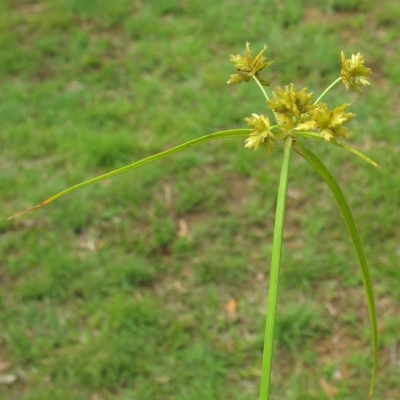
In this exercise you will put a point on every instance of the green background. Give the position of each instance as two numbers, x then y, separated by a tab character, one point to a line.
153	285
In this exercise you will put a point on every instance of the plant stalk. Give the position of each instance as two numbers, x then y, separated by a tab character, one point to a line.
274	273
328	89
261	88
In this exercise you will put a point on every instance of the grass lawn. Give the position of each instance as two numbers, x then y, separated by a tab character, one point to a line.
153	285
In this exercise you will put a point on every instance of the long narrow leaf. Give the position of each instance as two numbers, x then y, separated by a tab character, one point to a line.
320	167
177	149
316	136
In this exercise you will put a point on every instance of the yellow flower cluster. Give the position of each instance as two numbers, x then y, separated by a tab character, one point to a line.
354	74
247	67
294	110
291	107
328	122
261	134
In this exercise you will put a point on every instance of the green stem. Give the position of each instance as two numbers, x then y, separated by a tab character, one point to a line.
274	273
261	87
177	149
328	89
320	167
265	94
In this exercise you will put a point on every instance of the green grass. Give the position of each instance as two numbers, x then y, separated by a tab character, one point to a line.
121	291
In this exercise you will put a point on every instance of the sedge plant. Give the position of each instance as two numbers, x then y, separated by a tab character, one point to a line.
295	116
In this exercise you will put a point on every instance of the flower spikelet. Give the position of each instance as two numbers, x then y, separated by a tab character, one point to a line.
290	106
330	122
261	133
354	74
247	67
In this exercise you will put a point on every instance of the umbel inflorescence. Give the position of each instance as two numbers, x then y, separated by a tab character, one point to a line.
295	112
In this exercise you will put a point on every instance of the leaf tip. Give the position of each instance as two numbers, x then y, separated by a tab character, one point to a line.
24	211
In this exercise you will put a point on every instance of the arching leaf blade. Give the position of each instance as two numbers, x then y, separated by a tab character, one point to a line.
130	167
320	167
